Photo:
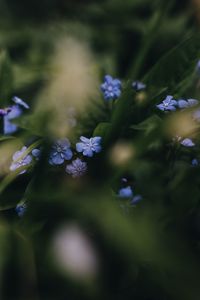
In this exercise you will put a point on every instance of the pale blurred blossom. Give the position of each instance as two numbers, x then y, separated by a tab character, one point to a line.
74	253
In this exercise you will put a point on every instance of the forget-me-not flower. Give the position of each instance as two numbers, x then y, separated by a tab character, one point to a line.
187	142
15	112
36	153
125	192
21	209
168	104
111	88
186	103
77	168
60	152
20	159
88	146
138	86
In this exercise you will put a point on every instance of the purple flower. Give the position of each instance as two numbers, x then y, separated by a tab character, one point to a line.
168	104
60	152
138	86
20	102
187	143
89	145
125	192
111	88
20	160
21	209
77	168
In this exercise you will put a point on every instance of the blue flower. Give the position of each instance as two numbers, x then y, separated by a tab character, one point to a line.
77	168
15	112
138	86
111	88
9	127
187	103
60	152
136	199
20	160
125	192
187	143
195	162
21	209
36	153
89	145
168	104
20	102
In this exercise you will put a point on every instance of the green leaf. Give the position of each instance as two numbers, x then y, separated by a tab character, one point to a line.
6	78
149	124
101	129
174	67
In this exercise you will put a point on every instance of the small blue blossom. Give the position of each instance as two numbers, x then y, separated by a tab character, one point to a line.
20	160
89	145
36	153
77	168
20	102
21	209
187	143
187	103
60	152
125	192
168	104
138	86
111	88
195	162
15	112
136	199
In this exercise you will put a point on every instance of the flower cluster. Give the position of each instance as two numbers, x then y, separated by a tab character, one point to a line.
170	104
128	193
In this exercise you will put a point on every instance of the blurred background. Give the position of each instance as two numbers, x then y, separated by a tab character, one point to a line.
77	239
